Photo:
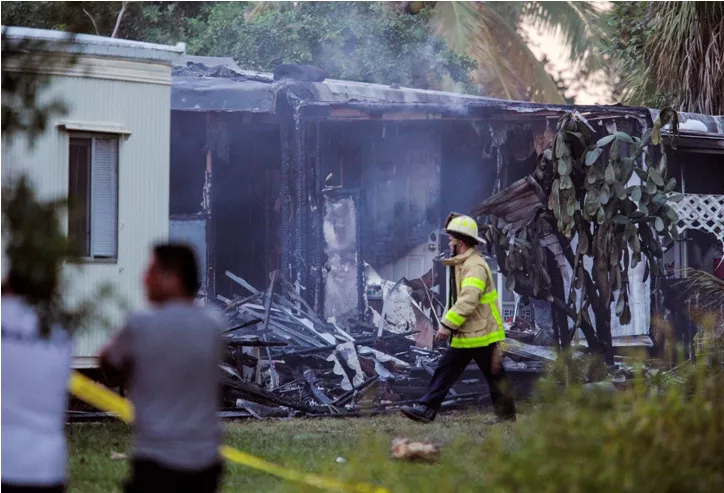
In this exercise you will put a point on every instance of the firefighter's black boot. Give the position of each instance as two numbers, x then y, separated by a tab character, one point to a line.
419	412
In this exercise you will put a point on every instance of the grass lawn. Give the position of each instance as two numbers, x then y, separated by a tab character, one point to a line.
308	445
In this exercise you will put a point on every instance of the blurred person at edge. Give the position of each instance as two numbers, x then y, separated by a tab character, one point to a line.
170	358
36	361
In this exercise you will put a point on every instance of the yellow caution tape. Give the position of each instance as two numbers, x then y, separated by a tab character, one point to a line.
100	397
106	400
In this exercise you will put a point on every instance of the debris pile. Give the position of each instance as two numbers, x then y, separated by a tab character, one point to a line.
284	360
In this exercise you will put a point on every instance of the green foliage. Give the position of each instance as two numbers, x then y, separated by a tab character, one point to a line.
34	239
633	441
668	52
366	42
157	22
626	44
433	45
22	111
616	225
581	25
490	32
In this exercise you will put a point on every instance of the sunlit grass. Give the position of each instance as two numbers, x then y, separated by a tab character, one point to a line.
665	437
309	445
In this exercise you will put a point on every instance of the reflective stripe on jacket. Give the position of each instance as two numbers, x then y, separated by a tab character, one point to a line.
475	317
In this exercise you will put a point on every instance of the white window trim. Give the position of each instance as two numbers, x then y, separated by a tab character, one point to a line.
94	135
108	128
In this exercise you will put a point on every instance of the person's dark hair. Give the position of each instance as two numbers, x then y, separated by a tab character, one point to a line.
472	243
180	260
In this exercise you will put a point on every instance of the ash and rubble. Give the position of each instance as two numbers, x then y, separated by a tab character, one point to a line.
283	360
331	175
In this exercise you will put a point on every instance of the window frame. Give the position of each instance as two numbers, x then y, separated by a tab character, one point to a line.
72	134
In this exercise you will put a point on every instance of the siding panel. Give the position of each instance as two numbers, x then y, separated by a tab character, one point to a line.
143	180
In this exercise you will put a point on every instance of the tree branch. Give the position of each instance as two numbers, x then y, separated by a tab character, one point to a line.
570	257
95	26
119	19
527	290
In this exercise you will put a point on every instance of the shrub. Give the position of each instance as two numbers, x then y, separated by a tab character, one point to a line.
632	441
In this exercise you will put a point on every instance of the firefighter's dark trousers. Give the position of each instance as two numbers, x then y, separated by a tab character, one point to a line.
451	367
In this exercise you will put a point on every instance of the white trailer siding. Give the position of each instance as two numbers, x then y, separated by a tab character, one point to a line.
128	98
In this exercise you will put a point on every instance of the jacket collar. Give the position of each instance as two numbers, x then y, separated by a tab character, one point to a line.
459	259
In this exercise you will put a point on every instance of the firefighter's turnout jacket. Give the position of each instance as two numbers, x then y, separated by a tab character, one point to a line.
474	313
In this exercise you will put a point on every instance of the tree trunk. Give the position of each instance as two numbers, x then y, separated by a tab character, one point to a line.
556	302
603	327
560	319
590	334
602	308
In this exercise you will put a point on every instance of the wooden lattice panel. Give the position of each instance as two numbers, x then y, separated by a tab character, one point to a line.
701	212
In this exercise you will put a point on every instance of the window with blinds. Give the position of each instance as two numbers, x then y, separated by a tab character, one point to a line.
93	195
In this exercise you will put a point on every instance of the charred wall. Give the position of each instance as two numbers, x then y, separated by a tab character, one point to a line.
396	168
469	167
245	189
404	177
188	162
401	189
410	175
225	175
703	173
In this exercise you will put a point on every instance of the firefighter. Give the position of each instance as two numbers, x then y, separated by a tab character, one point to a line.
472	324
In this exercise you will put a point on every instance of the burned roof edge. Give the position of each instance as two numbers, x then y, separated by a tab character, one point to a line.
472	109
250	91
714	124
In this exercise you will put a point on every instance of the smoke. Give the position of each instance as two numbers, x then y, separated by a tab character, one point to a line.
374	42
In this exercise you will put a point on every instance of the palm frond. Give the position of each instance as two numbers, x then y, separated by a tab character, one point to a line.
580	24
457	23
506	66
700	78
514	60
257	9
684	55
707	289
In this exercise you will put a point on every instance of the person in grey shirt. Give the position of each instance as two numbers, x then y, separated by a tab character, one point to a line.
170	357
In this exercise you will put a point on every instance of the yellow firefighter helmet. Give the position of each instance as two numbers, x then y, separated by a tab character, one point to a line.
464	225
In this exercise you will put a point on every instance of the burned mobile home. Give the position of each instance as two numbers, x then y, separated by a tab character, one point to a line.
334	183
280	185
336	192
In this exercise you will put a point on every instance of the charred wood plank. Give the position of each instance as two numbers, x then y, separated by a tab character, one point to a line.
245	359
364	340
265	326
233	304
311	380
247	343
239	327
254	392
286	332
260	411
345	398
241	282
309	310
